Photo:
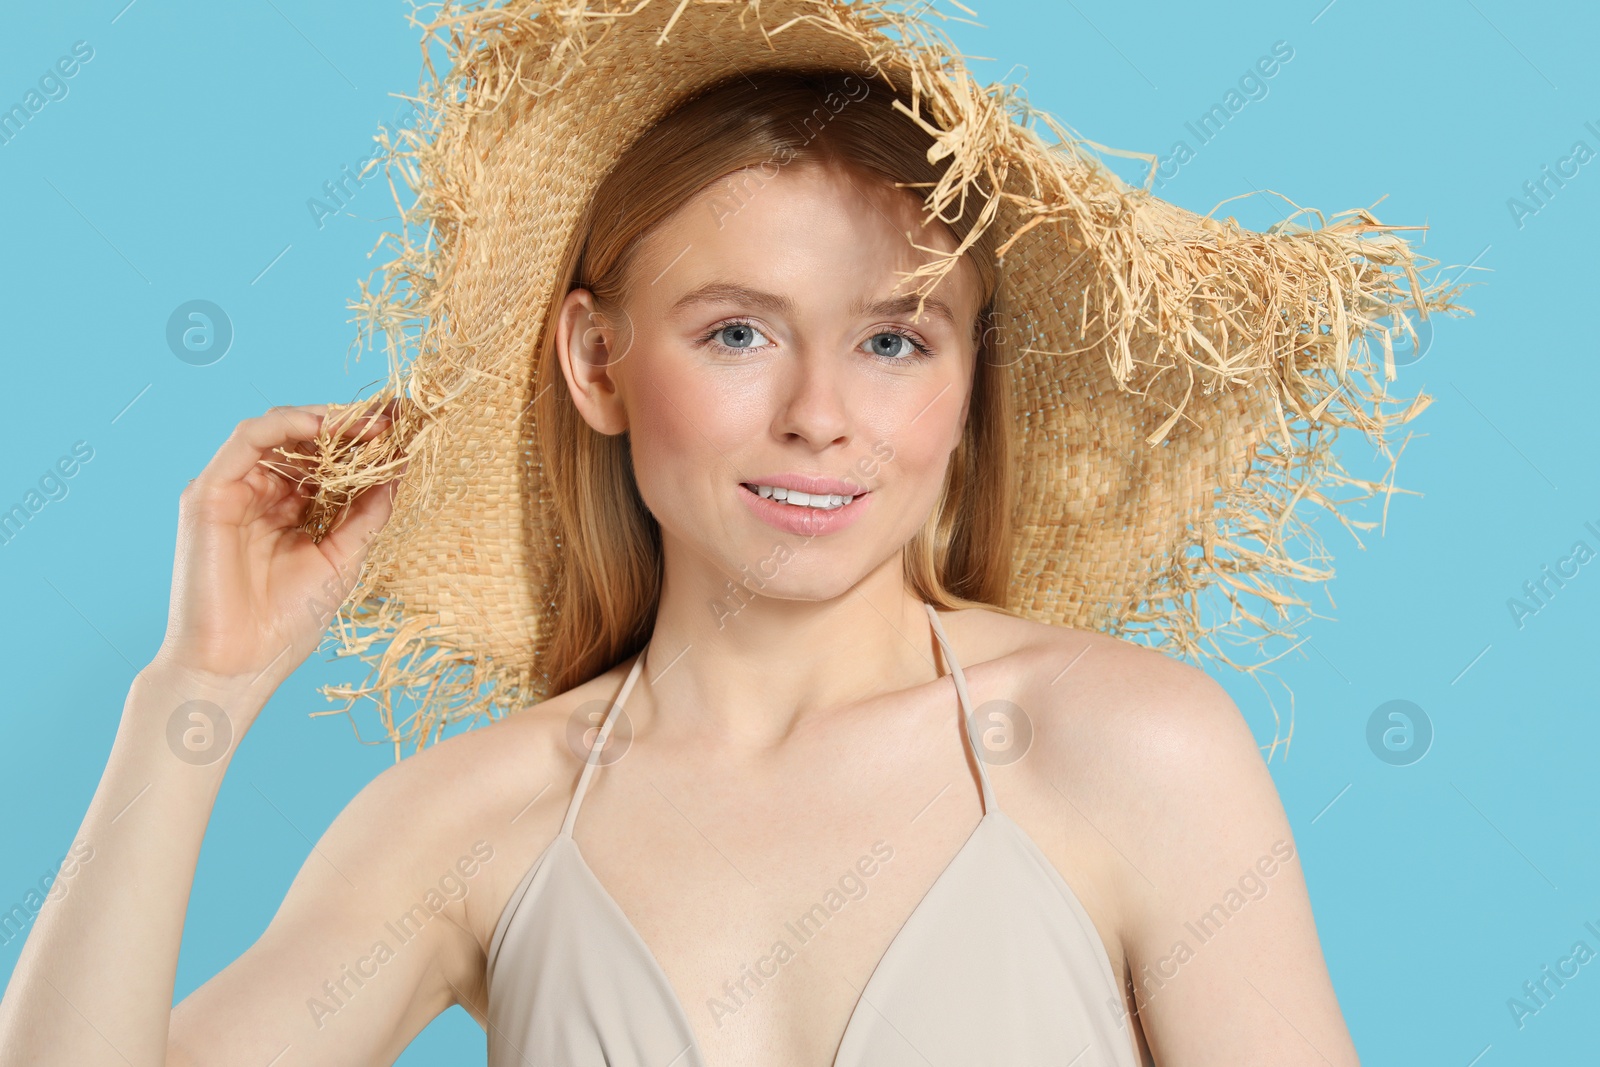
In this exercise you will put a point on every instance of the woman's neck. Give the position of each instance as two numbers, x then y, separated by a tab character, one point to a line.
749	665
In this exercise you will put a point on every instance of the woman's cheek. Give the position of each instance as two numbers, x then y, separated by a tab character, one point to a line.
682	430
912	469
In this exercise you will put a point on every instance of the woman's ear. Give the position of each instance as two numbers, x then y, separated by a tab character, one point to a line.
587	345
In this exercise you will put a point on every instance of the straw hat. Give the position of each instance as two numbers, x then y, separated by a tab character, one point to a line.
1179	380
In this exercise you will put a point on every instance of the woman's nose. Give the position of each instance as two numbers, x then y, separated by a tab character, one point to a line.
812	401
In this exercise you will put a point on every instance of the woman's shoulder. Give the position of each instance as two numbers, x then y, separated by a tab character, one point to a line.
511	766
1137	765
485	800
1041	655
1128	716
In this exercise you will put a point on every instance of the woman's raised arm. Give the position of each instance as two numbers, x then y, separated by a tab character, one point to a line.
94	982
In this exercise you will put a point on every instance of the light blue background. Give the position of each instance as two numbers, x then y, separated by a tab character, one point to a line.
179	166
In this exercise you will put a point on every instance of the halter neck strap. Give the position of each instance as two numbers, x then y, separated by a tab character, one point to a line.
600	743
967	718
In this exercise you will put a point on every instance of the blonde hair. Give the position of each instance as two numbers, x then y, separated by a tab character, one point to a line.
608	560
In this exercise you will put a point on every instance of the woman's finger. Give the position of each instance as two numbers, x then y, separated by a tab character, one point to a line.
254	439
367	515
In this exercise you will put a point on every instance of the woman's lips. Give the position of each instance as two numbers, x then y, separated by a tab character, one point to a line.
802	519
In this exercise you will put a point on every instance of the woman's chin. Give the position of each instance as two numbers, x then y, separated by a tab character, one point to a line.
802	580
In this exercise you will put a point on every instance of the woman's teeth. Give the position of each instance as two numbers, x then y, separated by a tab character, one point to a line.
794	496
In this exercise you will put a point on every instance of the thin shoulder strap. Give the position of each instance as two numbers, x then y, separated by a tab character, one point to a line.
967	718
600	743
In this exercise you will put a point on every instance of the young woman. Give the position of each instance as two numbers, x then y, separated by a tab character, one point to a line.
800	846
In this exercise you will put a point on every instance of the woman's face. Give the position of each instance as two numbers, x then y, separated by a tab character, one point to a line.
765	349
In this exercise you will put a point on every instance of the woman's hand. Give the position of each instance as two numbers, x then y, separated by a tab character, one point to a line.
251	592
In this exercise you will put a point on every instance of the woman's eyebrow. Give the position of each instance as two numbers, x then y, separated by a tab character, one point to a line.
905	306
732	292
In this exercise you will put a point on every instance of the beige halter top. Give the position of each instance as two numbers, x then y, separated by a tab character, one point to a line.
998	964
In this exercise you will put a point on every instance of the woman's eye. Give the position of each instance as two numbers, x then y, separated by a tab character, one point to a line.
891	345
740	335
